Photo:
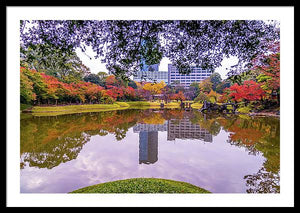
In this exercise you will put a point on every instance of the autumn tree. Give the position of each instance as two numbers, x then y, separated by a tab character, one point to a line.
44	88
268	66
224	97
205	86
52	85
201	97
213	96
35	79
93	93
130	93
154	88
111	80
249	91
178	96
26	88
167	93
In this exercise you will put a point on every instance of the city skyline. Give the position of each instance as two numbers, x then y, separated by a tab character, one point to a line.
96	65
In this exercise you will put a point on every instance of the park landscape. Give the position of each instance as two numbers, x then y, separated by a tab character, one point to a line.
103	132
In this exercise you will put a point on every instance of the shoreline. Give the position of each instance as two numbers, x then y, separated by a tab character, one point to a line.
273	114
86	108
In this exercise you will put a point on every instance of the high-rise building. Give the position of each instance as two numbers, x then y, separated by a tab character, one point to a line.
151	76
145	67
150	73
196	75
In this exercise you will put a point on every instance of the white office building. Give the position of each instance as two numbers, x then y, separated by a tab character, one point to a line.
151	76
196	75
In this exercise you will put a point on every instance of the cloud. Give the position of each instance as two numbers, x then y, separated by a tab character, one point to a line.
225	65
88	59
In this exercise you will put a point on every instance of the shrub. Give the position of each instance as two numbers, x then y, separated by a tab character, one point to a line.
244	110
201	98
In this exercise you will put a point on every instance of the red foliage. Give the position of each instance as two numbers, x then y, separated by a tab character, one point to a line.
110	80
178	96
250	91
129	92
269	65
55	89
114	92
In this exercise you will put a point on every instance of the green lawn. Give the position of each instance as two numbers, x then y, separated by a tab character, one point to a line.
196	105
142	185
71	109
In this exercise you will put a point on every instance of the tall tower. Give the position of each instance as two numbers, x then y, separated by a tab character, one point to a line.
145	67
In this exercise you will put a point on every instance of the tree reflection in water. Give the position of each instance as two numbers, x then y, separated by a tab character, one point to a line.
258	135
47	142
263	182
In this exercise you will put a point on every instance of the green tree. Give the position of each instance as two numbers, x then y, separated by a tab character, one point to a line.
215	79
93	78
53	61
102	75
195	88
132	84
223	85
201	98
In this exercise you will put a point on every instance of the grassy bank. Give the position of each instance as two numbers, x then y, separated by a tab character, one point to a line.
25	107
71	109
196	105
154	104
142	185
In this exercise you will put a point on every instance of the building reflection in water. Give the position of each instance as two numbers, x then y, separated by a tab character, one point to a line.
181	129
184	129
148	141
148	147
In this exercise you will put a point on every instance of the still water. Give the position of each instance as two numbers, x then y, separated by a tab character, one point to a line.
223	154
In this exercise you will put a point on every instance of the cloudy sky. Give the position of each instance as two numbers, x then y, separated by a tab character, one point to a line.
96	66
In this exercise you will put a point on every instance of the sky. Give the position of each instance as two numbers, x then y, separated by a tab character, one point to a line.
96	66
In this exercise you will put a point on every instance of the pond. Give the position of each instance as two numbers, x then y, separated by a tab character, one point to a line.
222	154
